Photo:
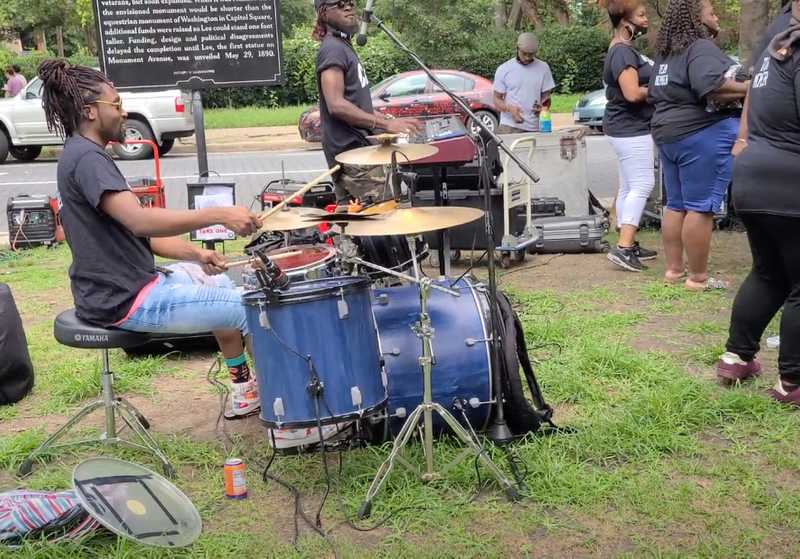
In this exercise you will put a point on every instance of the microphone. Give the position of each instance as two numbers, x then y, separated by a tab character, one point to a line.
361	38
271	276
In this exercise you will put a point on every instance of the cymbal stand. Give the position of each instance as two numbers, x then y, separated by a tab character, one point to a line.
424	411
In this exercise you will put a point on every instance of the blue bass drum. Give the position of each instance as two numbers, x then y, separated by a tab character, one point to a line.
460	348
325	327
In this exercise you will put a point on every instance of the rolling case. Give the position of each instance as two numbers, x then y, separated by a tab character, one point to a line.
570	234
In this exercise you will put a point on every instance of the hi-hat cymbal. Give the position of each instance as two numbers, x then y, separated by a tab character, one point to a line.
290	219
407	221
382	154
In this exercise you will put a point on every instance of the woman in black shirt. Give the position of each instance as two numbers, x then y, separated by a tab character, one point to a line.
691	86
626	124
767	198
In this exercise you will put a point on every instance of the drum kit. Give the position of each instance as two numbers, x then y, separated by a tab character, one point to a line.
334	346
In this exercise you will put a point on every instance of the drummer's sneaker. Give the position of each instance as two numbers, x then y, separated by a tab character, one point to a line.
244	399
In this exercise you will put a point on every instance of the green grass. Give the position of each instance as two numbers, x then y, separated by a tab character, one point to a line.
661	462
564	103
246	117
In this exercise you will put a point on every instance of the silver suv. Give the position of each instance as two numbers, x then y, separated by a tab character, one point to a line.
159	116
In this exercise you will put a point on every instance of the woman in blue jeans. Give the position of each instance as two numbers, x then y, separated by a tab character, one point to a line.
695	123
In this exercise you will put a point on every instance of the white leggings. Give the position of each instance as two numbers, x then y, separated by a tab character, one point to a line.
636	176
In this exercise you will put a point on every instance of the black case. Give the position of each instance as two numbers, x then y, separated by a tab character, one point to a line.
16	369
570	234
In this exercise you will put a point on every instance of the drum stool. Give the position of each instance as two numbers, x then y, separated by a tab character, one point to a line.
71	331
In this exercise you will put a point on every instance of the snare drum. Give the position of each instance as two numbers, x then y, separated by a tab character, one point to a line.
323	328
460	347
300	262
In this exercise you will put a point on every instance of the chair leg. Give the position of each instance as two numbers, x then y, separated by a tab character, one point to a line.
113	407
49	444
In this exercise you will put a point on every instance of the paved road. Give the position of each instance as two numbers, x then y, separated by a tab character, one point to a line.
249	170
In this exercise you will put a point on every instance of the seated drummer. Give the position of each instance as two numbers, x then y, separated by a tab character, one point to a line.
114	279
345	104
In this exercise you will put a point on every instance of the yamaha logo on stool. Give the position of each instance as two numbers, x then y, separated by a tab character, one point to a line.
88	338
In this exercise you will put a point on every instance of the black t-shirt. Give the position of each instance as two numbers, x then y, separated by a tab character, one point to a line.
678	89
780	23
765	174
623	119
338	135
109	264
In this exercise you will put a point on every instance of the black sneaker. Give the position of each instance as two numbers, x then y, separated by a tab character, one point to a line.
626	258
644	253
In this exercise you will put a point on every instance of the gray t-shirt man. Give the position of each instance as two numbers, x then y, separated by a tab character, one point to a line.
523	84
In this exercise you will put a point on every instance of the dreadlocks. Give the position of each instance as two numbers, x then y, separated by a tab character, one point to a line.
66	91
320	29
680	27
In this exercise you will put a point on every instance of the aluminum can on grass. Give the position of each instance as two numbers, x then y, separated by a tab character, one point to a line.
235	483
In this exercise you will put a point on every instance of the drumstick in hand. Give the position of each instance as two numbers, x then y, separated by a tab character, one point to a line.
275	209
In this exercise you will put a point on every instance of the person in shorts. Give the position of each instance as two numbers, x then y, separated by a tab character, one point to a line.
694	125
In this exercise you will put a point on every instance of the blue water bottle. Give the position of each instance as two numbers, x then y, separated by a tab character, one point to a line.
545	121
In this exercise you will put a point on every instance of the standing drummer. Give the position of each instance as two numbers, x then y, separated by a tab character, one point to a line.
345	104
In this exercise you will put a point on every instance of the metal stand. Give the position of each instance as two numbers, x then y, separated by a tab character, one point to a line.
424	411
114	407
499	431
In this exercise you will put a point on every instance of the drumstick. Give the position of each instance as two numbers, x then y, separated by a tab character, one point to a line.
300	192
230	265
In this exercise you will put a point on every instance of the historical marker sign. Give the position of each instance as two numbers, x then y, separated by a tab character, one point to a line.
150	44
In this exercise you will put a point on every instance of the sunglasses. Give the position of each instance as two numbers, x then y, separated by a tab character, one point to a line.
117	104
342	4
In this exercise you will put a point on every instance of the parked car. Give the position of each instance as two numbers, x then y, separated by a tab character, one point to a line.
413	94
590	108
159	116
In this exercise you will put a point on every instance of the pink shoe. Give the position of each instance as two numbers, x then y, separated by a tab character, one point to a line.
732	369
784	396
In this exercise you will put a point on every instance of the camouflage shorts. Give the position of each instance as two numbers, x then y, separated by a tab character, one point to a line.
368	184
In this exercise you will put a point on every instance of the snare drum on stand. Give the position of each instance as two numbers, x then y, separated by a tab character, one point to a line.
300	262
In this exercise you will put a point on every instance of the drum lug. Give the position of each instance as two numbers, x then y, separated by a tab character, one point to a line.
469	342
475	402
399	413
355	397
263	320
344	308
382	299
277	409
395	351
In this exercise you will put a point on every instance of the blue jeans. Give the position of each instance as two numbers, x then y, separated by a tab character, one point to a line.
698	168
189	302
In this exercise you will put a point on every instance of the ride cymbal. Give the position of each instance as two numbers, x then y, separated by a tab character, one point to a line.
290	219
409	221
382	154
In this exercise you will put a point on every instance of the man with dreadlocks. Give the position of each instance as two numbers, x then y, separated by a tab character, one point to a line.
113	276
690	87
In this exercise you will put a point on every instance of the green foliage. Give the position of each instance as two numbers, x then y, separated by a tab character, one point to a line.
575	55
30	62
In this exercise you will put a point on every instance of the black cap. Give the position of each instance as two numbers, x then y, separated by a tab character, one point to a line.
319	3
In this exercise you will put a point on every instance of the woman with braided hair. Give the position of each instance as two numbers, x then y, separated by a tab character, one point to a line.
113	276
694	127
626	124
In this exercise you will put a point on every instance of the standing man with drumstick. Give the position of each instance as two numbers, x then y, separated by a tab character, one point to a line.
345	104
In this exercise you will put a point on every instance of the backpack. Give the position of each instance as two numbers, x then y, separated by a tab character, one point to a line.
522	415
16	369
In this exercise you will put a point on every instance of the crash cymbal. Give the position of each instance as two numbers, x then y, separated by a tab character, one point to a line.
290	219
409	221
382	154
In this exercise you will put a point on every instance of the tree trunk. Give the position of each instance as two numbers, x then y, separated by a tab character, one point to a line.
514	15
753	21
41	41
561	12
500	15
530	13
60	41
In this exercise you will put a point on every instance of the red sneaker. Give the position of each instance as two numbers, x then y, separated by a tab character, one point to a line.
784	396
732	369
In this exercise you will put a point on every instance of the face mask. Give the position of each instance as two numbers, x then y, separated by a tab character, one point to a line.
711	31
636	31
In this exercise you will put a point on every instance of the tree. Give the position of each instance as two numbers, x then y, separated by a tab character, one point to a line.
753	21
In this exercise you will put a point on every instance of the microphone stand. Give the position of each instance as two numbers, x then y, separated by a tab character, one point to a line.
499	431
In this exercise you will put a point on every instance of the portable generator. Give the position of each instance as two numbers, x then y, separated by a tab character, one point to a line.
33	220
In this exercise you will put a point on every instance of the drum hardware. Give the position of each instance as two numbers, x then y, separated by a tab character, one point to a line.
422	415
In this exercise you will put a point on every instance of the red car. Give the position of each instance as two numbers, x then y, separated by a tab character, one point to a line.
413	94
